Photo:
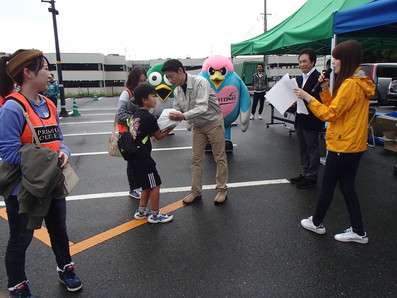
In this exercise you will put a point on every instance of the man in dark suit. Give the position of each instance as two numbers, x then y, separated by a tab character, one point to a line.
307	127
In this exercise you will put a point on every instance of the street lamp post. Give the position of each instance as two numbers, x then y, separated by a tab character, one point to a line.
54	12
265	57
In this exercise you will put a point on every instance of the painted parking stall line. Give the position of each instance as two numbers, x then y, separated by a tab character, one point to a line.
177	189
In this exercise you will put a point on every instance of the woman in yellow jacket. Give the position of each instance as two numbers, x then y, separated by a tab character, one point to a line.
346	110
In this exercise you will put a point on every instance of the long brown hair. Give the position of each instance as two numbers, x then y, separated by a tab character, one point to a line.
134	76
350	55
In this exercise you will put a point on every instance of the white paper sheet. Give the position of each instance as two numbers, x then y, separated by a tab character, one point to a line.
282	96
164	122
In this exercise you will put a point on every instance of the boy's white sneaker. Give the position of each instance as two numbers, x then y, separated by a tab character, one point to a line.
142	215
160	218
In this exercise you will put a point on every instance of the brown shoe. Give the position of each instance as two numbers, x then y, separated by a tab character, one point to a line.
190	198
221	197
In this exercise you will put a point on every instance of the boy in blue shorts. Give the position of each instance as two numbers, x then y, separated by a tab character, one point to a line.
143	126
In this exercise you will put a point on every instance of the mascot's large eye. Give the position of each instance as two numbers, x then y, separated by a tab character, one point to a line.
211	71
166	81
155	78
223	71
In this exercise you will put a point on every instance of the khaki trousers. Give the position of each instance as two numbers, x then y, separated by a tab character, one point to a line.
216	135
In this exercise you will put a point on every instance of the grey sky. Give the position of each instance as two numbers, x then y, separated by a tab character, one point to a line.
139	29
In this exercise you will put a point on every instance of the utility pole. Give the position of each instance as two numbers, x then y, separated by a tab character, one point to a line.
54	12
265	57
265	17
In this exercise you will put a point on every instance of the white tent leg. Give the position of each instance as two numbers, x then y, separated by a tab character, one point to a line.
332	77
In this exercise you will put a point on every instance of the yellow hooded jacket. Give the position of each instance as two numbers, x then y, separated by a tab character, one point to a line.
347	113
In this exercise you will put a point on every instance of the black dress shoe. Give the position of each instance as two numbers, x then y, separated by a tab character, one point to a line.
306	183
296	180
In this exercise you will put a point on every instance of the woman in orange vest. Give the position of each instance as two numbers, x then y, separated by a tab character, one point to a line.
125	111
29	69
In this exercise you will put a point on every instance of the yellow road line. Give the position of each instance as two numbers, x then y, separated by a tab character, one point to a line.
75	248
41	234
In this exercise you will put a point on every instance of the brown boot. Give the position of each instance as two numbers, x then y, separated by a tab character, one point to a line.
190	198
221	197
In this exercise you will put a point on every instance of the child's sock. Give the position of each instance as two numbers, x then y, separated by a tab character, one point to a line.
142	209
154	212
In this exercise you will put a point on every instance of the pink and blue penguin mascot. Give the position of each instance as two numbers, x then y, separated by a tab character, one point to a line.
233	96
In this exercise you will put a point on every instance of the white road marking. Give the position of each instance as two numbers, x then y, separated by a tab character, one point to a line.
103	114
177	189
86	122
154	149
103	133
98	109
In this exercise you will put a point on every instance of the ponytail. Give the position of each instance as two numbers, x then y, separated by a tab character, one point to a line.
6	82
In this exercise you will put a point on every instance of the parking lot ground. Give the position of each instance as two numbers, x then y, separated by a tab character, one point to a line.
251	246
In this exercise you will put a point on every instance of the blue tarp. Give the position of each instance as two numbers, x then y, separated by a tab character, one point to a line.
377	17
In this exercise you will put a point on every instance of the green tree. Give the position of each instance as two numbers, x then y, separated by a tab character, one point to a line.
379	56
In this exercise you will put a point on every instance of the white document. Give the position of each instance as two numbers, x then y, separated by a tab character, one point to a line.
282	96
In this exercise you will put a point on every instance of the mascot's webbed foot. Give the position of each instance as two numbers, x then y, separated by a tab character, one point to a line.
228	147
208	148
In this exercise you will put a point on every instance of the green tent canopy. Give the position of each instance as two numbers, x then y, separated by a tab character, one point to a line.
311	26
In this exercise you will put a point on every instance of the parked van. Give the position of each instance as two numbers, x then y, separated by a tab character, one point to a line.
381	74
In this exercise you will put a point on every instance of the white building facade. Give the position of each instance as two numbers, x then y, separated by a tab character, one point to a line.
86	73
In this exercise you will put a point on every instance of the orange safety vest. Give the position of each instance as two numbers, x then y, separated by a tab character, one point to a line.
121	127
47	129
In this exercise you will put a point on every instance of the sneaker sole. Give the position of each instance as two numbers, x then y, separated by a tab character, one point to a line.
360	241
135	197
71	289
319	232
140	218
156	222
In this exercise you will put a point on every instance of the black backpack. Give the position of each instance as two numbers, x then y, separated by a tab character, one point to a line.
127	146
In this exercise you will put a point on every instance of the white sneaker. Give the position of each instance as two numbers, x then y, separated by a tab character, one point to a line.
142	215
260	117
252	117
160	218
135	193
308	224
349	236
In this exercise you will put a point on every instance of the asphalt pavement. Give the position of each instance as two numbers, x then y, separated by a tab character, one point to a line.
251	246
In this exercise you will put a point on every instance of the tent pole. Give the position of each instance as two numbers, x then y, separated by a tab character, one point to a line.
332	78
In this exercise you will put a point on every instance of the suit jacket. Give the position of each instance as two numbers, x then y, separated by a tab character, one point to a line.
309	122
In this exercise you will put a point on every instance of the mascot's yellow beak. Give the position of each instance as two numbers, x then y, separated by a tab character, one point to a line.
163	92
217	79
